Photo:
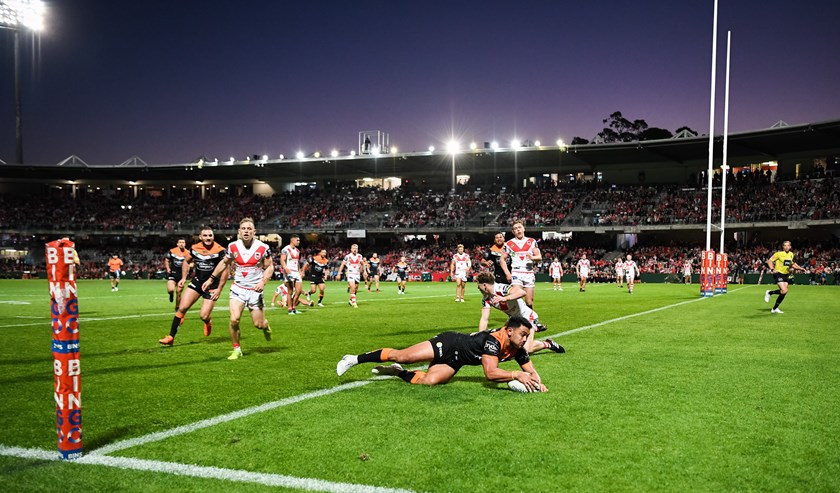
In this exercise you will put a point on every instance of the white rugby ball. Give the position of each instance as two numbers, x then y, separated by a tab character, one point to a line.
517	386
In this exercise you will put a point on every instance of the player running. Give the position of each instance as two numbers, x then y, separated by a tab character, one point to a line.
114	266
373	272
509	299
206	255
316	271
555	270
252	269
174	261
582	269
447	352
459	270
353	262
631	272
402	274
290	262
523	252
780	264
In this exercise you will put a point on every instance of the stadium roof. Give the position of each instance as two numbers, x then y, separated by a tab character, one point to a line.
779	143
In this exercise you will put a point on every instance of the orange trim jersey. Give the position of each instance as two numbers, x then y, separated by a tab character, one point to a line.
176	258
206	259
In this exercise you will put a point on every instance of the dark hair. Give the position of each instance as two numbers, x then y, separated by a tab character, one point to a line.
517	321
485	278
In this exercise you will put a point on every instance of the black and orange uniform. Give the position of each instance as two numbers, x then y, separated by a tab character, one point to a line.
494	254
456	349
782	262
176	258
373	267
205	261
317	270
402	270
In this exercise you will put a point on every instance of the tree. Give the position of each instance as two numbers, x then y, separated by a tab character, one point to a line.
654	133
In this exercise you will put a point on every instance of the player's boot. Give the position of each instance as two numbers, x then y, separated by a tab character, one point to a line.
167	341
347	362
391	370
267	332
208	328
541	327
235	354
171	297
553	346
776	310
767	296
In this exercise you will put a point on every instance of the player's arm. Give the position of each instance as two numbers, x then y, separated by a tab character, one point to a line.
284	263
485	317
490	365
537	255
535	377
222	270
797	266
185	273
452	268
268	271
771	262
340	269
514	293
166	264
503	264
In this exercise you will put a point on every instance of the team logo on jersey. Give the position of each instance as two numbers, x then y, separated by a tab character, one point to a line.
257	255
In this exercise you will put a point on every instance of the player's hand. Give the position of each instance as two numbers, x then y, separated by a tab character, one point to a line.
498	299
181	284
214	294
527	380
206	285
259	287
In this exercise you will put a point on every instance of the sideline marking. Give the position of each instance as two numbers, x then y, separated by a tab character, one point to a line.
178	469
625	317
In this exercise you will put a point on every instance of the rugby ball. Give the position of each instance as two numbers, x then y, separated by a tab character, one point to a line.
517	386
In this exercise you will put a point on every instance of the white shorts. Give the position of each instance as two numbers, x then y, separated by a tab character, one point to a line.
619	273
524	279
630	276
293	276
584	274
354	278
461	276
253	300
557	277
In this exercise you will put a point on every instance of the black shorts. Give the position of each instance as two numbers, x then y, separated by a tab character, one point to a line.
788	278
316	280
373	273
114	274
446	345
402	277
196	283
173	276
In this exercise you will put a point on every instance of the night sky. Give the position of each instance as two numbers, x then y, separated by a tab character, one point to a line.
172	81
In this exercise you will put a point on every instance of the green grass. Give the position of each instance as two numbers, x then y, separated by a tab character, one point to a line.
714	395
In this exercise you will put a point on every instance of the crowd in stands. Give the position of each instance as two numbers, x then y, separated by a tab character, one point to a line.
747	200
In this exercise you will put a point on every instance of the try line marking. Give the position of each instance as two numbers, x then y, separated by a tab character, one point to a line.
282	480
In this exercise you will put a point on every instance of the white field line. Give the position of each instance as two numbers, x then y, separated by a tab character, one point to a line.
632	315
276	480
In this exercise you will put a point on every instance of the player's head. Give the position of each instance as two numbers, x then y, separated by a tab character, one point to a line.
460	248
354	248
583	256
294	240
323	253
518	329
182	243
114	256
373	256
206	236
629	256
247	229
518	230
402	259
786	246
499	240
485	281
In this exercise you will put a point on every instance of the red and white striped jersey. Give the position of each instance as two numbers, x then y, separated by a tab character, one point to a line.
292	259
354	263
583	264
518	251
555	269
248	262
462	262
630	266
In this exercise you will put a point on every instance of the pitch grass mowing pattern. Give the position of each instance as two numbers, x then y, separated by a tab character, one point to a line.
714	395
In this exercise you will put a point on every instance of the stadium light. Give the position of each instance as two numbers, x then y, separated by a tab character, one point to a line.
376	150
494	145
18	15
537	143
453	146
560	143
353	153
334	153
431	148
473	146
282	157
515	143
393	149
317	154
265	157
299	155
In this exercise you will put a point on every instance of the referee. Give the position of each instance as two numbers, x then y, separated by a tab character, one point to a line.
780	265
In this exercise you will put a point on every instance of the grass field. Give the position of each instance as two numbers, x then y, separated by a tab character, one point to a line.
659	391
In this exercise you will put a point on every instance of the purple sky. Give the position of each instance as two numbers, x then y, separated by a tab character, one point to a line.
171	81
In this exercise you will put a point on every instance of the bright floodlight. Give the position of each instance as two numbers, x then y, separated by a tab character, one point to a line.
560	143
453	146
431	148
265	157
299	155
393	149
334	153
22	13
473	145
317	154
352	153
282	157
537	143
515	143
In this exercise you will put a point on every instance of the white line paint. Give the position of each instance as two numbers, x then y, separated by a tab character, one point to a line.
633	315
276	480
163	435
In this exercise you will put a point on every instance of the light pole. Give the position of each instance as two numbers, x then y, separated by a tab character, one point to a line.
17	15
515	144
452	147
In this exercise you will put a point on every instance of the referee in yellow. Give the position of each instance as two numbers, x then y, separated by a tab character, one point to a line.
780	265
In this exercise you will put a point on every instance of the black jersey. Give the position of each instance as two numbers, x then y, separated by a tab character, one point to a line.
374	267
457	349
317	271
206	259
402	271
494	254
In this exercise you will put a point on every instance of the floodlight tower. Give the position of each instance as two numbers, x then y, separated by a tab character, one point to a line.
18	15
